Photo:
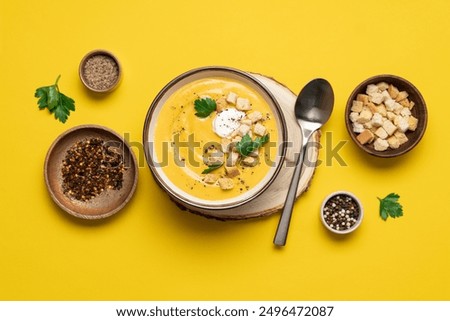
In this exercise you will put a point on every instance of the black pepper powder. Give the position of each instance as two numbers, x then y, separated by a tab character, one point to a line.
100	72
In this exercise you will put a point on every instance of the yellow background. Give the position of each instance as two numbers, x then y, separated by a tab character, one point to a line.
152	250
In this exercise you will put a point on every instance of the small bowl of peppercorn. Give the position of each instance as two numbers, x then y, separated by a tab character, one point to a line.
100	71
341	212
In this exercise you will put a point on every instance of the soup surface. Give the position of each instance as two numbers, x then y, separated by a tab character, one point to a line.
204	157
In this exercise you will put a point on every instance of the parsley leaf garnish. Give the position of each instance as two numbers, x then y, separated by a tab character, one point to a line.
211	168
389	206
204	107
246	145
55	101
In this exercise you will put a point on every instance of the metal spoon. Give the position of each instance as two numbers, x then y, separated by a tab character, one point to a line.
313	108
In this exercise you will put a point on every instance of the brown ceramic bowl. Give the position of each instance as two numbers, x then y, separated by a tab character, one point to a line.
419	111
100	71
106	203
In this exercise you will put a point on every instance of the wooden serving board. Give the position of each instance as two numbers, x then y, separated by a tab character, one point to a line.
272	200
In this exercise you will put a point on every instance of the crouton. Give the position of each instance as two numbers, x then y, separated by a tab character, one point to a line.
390	115
403	124
380	144
401	95
213	157
389	127
372	107
250	161
364	116
401	137
366	137
232	159
381	109
385	95
221	104
243	130
397	108
393	91
393	142
404	102
405	112
255	116
247	122
358	128
226	145
411	104
236	139
232	171
376	98
243	104
354	117
389	103
210	178
231	98
254	153
377	120
357	106
368	125
412	121
363	98
371	89
226	183
380	132
382	86
259	129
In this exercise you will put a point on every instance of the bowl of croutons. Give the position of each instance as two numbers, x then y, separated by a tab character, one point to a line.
386	116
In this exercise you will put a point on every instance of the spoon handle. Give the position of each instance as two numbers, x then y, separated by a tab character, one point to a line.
283	224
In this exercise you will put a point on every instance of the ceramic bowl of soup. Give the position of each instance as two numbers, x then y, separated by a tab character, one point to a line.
214	138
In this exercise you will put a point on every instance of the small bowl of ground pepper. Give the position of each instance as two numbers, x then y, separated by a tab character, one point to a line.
90	172
100	71
341	212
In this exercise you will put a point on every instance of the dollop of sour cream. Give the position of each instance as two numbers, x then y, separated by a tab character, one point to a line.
227	121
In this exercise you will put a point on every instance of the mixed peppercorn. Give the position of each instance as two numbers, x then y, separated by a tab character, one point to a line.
341	212
91	167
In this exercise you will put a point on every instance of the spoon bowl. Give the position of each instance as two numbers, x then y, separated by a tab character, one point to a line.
313	108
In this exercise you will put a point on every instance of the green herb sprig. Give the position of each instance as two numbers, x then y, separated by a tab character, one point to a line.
212	168
55	101
247	145
204	107
389	206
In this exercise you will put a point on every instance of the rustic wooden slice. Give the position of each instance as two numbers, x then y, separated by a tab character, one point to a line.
272	200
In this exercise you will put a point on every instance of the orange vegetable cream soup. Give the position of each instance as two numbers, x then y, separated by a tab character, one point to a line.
216	138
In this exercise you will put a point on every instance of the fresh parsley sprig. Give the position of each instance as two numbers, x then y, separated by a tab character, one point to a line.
247	145
204	107
212	168
55	101
389	206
